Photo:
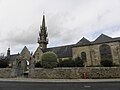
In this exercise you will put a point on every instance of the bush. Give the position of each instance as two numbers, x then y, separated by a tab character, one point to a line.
66	63
79	62
49	60
3	64
107	63
38	64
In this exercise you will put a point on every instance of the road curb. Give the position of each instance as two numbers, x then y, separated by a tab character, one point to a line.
59	80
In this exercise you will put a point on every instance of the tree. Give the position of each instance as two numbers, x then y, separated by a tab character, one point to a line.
49	60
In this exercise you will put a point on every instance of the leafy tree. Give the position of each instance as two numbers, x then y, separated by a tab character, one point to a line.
49	60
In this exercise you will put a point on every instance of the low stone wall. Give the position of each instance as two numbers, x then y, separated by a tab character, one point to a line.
68	73
5	72
107	72
76	73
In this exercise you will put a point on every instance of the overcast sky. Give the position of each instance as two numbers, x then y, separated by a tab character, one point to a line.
67	21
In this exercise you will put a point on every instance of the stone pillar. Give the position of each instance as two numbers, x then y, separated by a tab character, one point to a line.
14	69
31	67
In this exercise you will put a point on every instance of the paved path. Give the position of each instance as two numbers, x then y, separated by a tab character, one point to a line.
58	80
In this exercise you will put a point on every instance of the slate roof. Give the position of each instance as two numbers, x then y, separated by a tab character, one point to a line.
9	59
83	41
102	38
105	39
116	39
62	51
12	58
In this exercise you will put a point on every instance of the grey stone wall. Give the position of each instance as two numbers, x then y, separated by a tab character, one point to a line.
107	72
93	53
77	73
5	72
69	73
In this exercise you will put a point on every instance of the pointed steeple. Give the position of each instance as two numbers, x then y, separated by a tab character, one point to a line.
42	40
43	22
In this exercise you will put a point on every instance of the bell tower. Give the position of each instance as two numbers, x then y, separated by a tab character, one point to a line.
42	40
8	52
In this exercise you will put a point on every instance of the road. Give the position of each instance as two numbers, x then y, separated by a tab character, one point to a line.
8	85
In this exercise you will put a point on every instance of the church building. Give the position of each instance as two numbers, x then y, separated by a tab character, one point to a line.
93	52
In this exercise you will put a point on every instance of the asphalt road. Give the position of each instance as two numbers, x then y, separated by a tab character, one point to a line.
59	85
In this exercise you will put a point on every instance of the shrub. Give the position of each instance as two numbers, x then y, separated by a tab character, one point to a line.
38	64
107	63
79	62
49	60
67	63
3	64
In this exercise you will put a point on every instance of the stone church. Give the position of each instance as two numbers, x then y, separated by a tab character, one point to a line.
93	52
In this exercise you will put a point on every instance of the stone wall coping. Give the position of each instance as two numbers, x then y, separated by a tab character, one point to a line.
5	68
82	68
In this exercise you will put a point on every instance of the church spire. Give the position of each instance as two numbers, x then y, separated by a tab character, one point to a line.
42	40
43	22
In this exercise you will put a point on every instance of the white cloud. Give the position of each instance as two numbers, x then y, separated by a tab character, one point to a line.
67	21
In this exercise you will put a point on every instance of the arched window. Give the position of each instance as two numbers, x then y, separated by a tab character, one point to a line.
83	56
105	52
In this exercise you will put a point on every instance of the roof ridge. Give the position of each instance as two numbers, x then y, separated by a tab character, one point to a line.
61	46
